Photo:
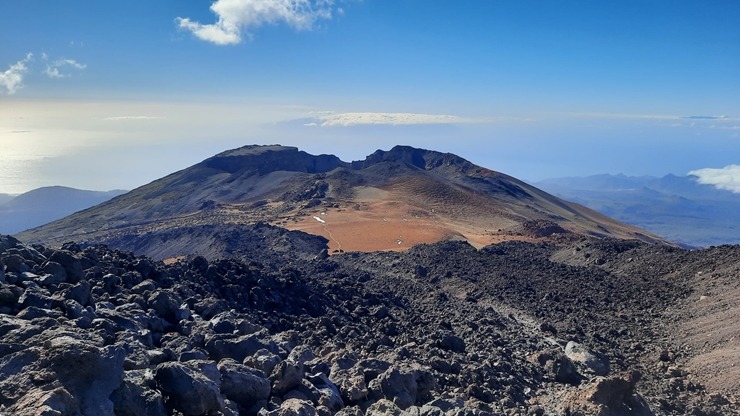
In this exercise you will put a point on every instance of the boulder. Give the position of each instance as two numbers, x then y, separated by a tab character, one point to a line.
293	407
88	372
223	346
15	263
608	396
263	360
384	407
330	396
147	285
56	273
65	376
351	383
81	292
285	377
581	355
451	342
564	371
34	297
223	323
72	265
404	385
165	304
242	384
187	389
137	396
57	401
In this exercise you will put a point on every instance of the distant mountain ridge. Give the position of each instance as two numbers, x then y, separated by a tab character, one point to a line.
391	200
46	204
676	207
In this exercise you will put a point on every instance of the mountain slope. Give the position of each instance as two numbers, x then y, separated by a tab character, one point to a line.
392	200
678	208
46	204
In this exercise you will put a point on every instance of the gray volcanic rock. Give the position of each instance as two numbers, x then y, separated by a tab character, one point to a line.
513	329
242	384
579	354
80	377
188	390
138	396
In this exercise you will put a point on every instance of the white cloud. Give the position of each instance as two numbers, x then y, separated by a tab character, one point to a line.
727	178
237	18
12	78
353	119
52	69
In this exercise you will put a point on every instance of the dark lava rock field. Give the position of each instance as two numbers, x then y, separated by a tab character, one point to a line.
590	327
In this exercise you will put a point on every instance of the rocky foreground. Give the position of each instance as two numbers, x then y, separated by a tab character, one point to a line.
443	329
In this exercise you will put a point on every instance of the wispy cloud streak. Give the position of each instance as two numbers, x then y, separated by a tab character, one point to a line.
125	118
53	68
354	119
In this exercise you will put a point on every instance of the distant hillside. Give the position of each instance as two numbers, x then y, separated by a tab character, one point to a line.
43	205
391	200
675	207
5	198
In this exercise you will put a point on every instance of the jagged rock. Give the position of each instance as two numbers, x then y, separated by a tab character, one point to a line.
210	307
285	377
373	316
300	355
304	391
293	407
15	263
384	407
34	297
165	304
222	346
224	322
610	396
581	355
350	411
56	273
138	396
88	372
451	342
147	285
351	383
81	292
191	355
72	265
330	395
9	296
263	360
188	390
69	377
404	385
57	401
242	384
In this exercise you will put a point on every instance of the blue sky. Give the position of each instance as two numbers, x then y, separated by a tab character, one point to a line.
103	95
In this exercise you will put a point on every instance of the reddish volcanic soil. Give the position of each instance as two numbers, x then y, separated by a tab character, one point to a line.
396	226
